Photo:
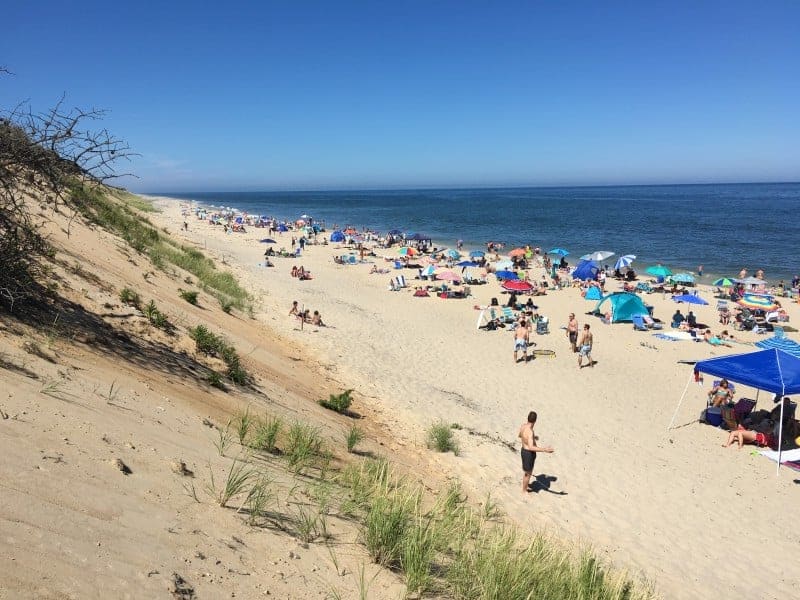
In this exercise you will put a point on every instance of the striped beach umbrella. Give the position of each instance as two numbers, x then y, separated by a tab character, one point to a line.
624	261
757	302
723	282
781	343
683	278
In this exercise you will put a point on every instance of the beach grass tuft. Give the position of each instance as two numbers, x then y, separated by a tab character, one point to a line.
304	447
236	481
441	438
355	435
266	434
189	296
130	297
338	402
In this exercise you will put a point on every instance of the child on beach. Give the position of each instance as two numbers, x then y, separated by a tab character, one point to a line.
529	450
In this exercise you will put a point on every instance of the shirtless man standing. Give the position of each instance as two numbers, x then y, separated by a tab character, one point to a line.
521	334
572	332
529	450
586	346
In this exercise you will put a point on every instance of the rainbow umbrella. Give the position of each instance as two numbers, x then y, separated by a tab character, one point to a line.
757	302
517	286
407	251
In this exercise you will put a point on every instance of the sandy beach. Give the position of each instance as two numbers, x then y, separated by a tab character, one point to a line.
672	505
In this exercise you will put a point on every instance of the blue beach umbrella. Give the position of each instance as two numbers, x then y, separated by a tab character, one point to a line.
267	241
506	275
282	227
428	271
658	271
683	278
624	261
689	299
781	343
450	253
477	254
559	251
467	263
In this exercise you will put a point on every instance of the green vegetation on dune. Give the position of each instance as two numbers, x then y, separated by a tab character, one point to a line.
120	215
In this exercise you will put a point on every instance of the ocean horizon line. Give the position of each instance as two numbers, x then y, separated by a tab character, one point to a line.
336	190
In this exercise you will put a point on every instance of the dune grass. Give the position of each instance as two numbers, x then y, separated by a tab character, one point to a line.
120	214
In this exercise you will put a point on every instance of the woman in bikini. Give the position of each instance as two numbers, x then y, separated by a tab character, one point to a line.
721	394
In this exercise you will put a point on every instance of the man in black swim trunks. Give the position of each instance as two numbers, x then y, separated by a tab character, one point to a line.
529	450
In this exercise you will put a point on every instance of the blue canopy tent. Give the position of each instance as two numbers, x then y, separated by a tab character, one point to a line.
420	237
623	306
337	236
771	370
586	269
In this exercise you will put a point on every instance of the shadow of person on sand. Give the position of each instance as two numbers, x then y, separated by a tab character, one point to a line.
542	483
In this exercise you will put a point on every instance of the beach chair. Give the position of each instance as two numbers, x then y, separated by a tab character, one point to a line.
651	323
509	316
543	326
722	305
398	264
401	281
638	323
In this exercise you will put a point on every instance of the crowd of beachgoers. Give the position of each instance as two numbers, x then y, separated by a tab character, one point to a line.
448	357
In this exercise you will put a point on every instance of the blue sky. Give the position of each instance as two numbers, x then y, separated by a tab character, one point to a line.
331	95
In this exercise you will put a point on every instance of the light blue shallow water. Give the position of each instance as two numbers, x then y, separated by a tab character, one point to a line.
724	227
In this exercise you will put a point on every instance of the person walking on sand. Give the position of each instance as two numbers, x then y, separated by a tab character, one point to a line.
529	450
699	270
521	335
572	332
586	347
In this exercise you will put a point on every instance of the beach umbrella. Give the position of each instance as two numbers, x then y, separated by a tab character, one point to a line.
757	302
477	254
467	263
450	253
683	278
395	232
689	299
506	275
448	276
597	255
658	271
282	227
517	286
407	251
503	264
781	343
624	261
428	271
723	282
517	252
305	216
751	281
267	241
559	251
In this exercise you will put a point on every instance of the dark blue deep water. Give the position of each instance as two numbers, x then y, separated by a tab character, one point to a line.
724	227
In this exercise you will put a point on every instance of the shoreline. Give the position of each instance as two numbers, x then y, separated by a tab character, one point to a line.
618	479
449	241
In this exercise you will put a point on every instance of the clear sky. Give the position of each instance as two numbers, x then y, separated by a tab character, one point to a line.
335	94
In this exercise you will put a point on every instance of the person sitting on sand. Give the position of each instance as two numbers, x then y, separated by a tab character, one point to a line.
714	340
677	318
294	271
745	436
726	336
316	319
691	319
720	394
295	310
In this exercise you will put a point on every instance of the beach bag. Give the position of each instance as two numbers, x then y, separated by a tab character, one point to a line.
743	408
729	417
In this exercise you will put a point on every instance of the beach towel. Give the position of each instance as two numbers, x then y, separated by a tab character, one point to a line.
675	335
789	458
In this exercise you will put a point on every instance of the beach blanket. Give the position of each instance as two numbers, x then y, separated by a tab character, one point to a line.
789	458
674	335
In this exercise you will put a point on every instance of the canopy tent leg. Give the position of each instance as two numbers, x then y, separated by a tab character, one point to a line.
480	319
780	439
677	408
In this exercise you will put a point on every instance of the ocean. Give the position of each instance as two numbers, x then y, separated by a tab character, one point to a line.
724	227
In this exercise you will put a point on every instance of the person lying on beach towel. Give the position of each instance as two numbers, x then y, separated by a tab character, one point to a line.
745	436
714	340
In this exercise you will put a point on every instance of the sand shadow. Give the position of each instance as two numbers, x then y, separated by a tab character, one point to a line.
542	483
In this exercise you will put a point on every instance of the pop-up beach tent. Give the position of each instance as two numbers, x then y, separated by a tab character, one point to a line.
593	293
624	306
586	269
771	370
